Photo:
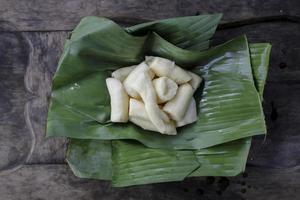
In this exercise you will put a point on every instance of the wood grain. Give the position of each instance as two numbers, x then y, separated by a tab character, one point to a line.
37	182
32	15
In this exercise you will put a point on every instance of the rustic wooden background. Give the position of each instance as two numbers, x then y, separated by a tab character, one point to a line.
32	33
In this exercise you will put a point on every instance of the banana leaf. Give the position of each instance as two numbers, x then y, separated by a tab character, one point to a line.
90	158
229	108
185	32
227	159
260	56
132	163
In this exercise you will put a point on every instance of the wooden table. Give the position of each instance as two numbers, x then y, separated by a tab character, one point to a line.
32	34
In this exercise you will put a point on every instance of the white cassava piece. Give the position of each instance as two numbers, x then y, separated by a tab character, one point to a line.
119	100
165	89
164	67
138	115
177	106
122	73
195	81
190	115
130	80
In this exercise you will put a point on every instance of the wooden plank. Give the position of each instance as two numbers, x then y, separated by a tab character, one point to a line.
281	147
45	51
27	63
17	142
46	47
57	182
34	15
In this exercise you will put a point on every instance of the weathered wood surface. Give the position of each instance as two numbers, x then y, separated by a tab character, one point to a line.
58	182
45	51
32	34
65	14
16	139
281	146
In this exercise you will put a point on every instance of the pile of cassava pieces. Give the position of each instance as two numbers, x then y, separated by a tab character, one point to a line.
156	95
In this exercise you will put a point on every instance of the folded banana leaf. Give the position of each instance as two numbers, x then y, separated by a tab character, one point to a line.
127	162
229	106
131	163
185	32
260	56
135	164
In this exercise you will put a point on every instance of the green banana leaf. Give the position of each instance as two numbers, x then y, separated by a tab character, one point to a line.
260	56
227	159
185	32
229	108
90	158
132	163
85	157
